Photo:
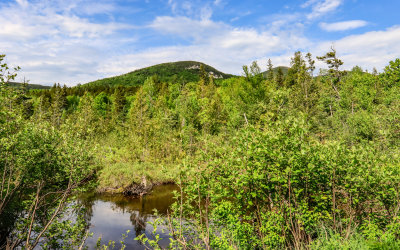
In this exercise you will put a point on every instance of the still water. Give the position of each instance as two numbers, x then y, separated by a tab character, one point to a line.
110	216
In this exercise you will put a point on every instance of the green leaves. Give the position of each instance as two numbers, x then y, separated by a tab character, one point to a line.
392	72
281	176
41	169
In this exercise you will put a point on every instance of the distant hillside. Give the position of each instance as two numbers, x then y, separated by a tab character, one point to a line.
275	70
28	86
188	71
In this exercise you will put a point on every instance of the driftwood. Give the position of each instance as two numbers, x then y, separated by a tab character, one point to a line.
136	190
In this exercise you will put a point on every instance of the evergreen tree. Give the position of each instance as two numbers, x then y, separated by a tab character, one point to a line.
300	79
296	71
203	75
86	116
27	108
279	78
334	64
59	104
270	71
311	64
43	110
119	104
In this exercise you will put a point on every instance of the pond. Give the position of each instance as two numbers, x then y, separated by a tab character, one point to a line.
111	215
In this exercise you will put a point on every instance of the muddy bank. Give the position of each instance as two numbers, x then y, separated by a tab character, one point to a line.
133	190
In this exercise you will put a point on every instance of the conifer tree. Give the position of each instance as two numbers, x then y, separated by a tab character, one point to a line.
296	71
59	104
27	108
86	116
279	78
203	75
270	71
43	109
311	63
300	78
119	104
334	64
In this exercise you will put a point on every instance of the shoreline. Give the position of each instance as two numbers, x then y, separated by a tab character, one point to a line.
134	190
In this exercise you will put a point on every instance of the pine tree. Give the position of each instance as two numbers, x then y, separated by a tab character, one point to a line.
270	71
311	63
334	64
296	71
86	116
203	75
300	78
119	104
59	104
280	78
43	109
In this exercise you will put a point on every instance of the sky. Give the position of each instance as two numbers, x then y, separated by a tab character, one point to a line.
77	41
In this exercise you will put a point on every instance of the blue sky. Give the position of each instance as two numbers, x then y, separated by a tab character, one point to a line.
76	41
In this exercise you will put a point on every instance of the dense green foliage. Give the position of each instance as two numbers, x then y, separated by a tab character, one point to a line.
42	168
282	160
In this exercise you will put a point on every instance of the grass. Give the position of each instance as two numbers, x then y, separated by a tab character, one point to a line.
120	175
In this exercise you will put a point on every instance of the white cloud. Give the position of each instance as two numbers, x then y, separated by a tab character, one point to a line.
368	50
218	44
92	8
320	8
195	8
186	27
309	3
23	3
228	48
341	26
53	44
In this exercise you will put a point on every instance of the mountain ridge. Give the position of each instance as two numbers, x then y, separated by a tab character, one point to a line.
284	69
29	86
186	71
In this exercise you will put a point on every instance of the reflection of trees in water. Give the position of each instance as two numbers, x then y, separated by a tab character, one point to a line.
7	219
119	203
138	215
139	222
139	218
139	209
88	203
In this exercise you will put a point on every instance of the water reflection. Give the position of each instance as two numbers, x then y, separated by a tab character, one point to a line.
110	216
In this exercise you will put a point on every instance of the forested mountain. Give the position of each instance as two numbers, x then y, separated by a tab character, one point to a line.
183	71
275	71
27	86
